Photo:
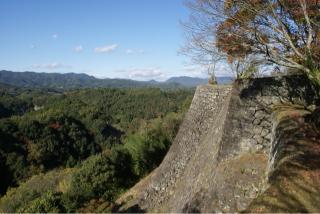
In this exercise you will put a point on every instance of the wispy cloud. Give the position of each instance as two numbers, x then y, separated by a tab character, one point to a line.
131	51
106	49
194	71
54	36
78	48
221	69
50	66
145	73
32	46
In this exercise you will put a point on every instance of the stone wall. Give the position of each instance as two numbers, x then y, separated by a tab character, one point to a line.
153	191
220	158
294	166
250	110
207	103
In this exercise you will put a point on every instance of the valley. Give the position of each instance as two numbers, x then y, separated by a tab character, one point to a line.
107	138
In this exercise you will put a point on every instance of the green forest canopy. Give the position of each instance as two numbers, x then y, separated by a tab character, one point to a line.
106	139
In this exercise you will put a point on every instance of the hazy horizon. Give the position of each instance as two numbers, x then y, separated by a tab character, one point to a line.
101	77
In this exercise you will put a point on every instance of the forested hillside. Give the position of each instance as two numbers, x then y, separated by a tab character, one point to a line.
67	81
58	81
77	150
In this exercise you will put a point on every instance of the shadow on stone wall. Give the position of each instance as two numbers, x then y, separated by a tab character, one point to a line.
295	176
294	89
219	159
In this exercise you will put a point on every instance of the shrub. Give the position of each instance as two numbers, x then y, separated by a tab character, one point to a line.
101	176
48	203
60	141
36	186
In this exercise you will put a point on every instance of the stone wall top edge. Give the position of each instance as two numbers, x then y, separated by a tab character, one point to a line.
214	87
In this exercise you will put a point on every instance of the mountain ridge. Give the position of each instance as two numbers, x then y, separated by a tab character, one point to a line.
31	79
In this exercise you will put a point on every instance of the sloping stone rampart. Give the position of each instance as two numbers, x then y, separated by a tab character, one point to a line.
220	158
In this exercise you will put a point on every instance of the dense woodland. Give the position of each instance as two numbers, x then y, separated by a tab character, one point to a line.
78	150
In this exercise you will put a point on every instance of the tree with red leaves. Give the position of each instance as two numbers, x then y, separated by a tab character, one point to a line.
283	32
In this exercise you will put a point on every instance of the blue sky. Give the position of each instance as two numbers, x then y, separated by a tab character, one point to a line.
137	39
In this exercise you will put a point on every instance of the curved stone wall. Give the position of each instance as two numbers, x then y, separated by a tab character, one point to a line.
219	160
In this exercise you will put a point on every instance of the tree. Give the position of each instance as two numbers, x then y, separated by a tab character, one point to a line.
283	32
60	141
199	44
48	203
100	176
247	67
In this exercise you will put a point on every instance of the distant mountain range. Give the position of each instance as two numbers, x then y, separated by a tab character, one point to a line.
72	80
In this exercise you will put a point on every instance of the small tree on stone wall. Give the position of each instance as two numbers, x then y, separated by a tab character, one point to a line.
212	80
212	76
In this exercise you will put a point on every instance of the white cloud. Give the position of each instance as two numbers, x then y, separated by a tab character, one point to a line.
145	73
32	46
78	48
106	49
190	67
50	66
221	69
55	36
194	71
